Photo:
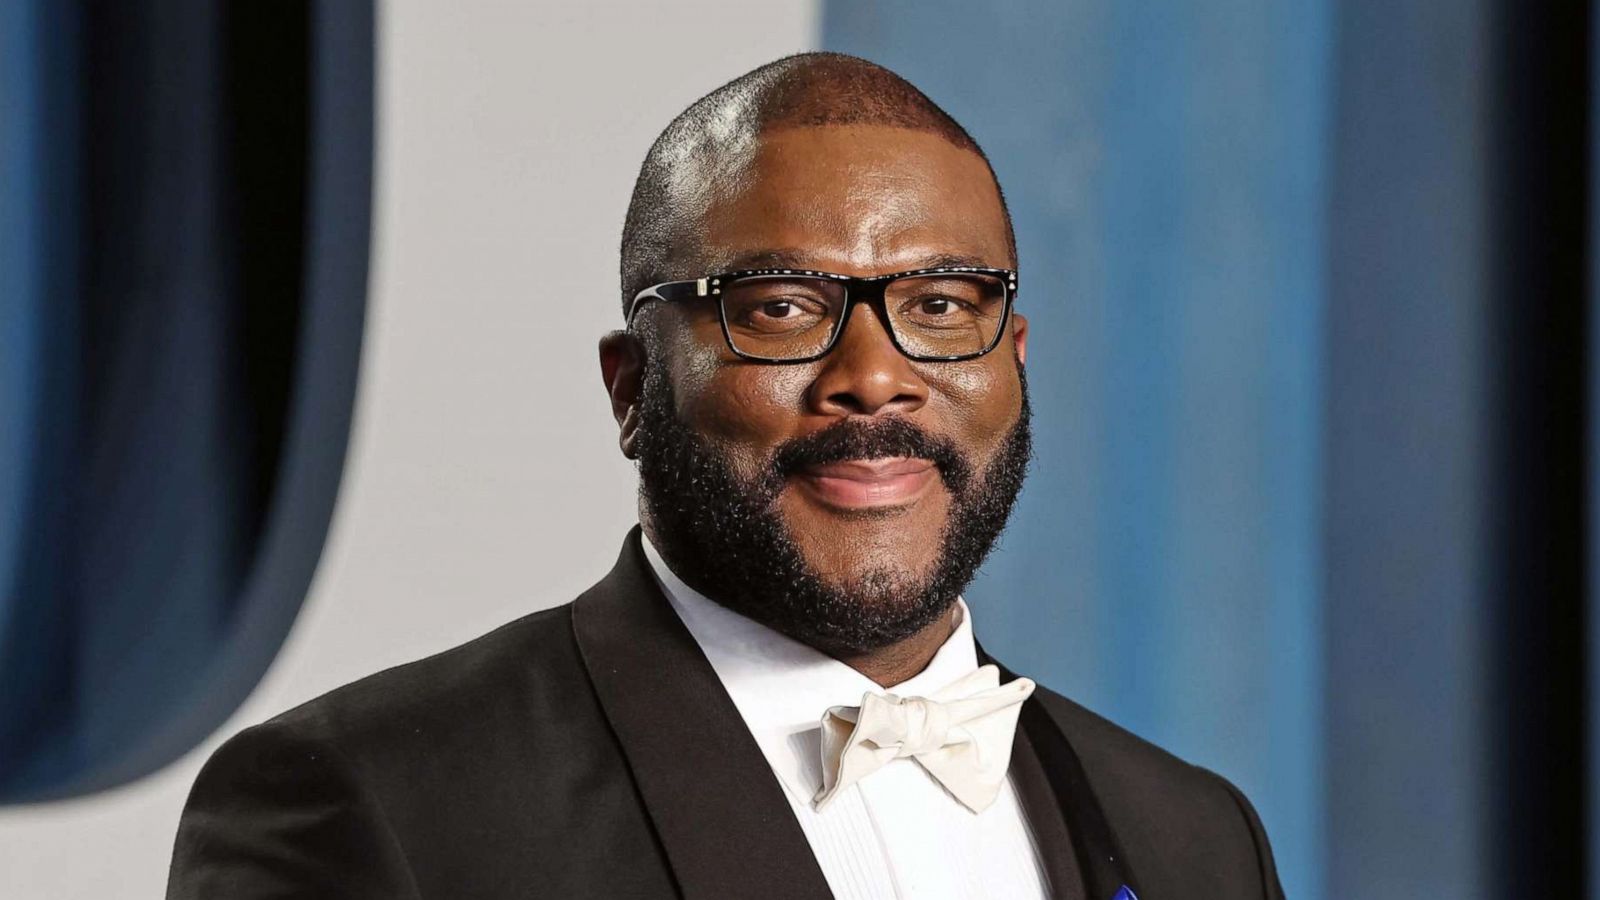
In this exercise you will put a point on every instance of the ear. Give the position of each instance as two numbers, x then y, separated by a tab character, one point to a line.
1019	334
622	360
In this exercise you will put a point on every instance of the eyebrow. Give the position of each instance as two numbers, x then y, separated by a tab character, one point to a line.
801	259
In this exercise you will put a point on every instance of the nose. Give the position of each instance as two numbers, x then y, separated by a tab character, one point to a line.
865	374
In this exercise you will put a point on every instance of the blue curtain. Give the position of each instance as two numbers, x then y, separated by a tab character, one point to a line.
189	219
1407	425
1308	286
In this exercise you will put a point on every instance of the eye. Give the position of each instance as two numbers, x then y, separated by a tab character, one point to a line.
938	305
780	309
772	306
773	314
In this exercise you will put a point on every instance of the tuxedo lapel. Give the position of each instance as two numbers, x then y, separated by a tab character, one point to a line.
1100	858
1045	820
722	818
1102	867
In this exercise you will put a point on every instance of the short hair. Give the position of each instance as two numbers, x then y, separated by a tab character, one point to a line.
806	89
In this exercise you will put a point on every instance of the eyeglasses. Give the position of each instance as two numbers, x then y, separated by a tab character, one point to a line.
941	314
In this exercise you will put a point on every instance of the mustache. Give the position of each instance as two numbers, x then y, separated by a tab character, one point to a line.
850	439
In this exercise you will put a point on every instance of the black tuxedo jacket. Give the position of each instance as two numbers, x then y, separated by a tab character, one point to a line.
551	758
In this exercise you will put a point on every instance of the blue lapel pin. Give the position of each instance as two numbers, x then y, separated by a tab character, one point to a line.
1125	893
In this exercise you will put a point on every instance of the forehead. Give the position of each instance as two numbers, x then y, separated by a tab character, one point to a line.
857	199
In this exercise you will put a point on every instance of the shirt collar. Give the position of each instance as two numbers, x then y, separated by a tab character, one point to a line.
781	686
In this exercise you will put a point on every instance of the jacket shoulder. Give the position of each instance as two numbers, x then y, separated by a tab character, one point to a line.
417	781
531	660
1187	830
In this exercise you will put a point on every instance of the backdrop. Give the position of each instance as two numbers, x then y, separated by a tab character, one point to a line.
192	210
1309	285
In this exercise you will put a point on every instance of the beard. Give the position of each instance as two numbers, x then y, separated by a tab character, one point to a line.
723	535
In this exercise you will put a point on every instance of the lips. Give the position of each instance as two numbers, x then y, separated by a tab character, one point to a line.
869	483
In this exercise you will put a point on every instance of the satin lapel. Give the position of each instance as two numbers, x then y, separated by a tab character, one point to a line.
722	818
1045	820
1103	867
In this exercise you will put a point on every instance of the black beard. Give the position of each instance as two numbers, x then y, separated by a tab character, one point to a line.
723	535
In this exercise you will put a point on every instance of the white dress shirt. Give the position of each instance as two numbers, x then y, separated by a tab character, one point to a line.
897	832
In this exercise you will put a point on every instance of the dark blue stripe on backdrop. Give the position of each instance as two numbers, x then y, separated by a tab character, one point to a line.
1455	437
1593	493
1409	519
1538	190
23	184
43	143
205	308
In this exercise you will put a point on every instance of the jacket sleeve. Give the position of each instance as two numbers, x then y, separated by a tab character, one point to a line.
279	813
1271	888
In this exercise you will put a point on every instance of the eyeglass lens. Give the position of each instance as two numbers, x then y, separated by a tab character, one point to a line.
938	315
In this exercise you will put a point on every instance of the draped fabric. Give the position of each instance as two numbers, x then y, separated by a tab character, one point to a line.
1310	360
1308	283
1458	456
190	232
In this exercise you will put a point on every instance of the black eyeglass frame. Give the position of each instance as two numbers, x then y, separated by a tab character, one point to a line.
869	290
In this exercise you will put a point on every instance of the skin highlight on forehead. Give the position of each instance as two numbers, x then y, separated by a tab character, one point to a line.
857	200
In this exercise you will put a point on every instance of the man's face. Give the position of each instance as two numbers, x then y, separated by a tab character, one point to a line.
862	473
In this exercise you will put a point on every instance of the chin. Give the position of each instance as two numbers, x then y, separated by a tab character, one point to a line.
871	563
857	550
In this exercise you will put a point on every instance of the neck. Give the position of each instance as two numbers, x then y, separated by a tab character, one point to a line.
888	666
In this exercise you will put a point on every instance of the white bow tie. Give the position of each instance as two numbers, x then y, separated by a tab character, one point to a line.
961	735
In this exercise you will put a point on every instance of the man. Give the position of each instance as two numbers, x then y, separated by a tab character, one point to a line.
776	691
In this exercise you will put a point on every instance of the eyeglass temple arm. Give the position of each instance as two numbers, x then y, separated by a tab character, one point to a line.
669	292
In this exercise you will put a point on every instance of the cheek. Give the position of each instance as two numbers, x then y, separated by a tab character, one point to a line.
745	409
978	402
